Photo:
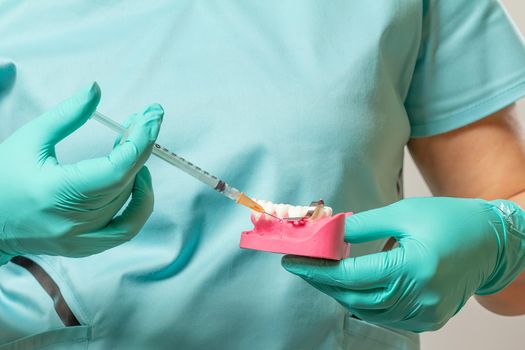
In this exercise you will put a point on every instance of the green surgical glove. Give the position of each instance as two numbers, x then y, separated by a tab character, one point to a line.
69	210
449	249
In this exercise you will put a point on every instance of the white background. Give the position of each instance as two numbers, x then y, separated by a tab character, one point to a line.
474	327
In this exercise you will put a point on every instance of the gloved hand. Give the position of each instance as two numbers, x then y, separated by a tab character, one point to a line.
54	209
449	249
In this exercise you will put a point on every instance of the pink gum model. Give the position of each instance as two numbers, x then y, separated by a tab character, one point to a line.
320	238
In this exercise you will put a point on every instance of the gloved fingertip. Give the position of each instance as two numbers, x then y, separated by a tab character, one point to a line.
143	195
86	100
295	264
154	107
153	116
153	125
91	94
94	88
287	260
292	269
144	173
66	117
143	178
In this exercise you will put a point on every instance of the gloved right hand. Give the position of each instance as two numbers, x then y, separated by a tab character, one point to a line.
69	210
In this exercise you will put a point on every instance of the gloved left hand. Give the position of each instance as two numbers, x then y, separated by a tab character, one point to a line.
73	209
449	249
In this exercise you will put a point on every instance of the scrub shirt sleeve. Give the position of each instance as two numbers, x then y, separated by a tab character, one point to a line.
471	64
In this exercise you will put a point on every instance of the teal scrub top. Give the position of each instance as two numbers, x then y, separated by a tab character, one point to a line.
289	101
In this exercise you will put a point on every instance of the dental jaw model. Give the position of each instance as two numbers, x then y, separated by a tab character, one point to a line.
307	231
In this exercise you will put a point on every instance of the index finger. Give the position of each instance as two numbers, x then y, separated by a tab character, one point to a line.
358	273
119	168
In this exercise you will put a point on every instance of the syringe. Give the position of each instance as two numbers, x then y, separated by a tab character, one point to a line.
189	168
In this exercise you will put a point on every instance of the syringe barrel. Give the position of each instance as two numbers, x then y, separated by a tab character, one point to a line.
179	162
185	166
101	118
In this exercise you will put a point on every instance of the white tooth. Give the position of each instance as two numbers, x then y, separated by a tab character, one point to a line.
302	211
269	208
294	212
287	211
256	214
290	211
281	210
325	212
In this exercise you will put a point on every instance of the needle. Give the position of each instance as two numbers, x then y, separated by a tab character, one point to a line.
278	218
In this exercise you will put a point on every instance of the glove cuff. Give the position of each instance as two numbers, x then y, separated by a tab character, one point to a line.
510	232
